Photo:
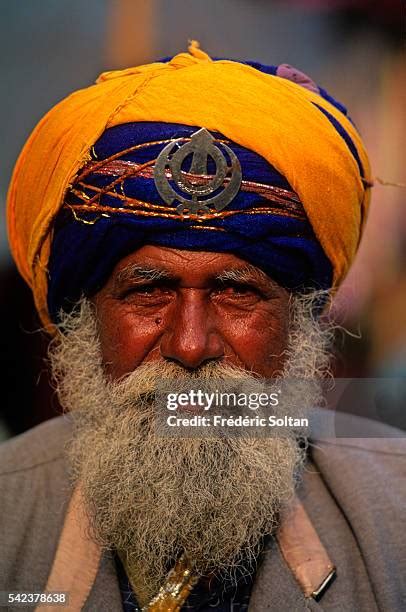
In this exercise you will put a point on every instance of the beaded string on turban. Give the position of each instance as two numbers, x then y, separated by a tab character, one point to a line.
114	207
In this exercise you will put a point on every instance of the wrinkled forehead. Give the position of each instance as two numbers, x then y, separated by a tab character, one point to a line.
186	268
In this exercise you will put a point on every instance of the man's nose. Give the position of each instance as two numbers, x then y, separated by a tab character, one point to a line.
191	338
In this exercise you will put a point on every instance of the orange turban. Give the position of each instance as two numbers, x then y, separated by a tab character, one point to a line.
278	119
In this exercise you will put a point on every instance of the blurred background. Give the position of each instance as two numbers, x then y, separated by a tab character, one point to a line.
354	48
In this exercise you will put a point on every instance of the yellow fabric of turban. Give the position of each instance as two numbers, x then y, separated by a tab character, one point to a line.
267	114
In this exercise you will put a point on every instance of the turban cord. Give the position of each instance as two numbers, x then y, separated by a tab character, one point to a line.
114	202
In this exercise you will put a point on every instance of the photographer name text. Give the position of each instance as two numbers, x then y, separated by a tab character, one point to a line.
235	421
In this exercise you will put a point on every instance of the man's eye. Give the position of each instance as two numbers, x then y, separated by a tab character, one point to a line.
236	291
145	291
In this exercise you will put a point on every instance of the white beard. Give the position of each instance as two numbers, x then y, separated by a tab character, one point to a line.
152	498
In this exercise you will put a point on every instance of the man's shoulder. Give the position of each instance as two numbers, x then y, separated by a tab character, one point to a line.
34	492
35	448
34	472
363	452
354	437
367	478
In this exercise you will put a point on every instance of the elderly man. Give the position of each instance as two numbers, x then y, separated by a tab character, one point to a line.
185	221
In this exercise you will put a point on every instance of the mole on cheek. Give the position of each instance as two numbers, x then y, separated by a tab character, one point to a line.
158	321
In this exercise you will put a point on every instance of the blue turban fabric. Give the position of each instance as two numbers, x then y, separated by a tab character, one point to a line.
83	255
87	246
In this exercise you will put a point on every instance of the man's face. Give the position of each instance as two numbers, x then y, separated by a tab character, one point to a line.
167	315
190	308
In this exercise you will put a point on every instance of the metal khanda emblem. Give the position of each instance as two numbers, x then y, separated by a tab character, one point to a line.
192	187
